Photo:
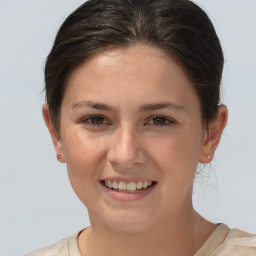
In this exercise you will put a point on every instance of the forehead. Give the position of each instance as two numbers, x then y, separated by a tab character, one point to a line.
129	71
139	57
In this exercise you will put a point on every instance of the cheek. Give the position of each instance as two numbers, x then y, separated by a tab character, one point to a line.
83	154
177	157
85	158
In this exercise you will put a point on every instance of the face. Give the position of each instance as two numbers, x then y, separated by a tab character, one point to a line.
131	135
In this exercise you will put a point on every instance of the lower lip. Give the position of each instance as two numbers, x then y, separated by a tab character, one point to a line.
126	196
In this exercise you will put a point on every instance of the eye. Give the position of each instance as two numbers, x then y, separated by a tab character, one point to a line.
161	121
95	120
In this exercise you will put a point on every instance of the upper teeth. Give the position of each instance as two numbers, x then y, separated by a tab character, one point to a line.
131	186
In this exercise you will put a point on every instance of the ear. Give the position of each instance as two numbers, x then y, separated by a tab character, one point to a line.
212	136
56	139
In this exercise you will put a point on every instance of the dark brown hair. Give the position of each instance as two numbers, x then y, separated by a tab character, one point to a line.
179	27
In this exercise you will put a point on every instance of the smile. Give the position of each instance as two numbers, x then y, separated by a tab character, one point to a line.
128	187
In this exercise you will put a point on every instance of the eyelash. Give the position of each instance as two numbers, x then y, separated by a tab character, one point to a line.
88	120
167	121
164	121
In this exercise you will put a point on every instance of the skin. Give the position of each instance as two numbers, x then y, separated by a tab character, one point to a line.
128	141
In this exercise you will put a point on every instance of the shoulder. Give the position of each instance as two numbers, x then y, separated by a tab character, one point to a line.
65	247
59	248
225	241
236	243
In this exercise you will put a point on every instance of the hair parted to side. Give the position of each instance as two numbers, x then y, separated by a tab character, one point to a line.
179	27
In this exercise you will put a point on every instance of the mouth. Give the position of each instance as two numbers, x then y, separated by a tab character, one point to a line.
128	187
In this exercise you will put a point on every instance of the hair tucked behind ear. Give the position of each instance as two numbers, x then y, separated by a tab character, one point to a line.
179	27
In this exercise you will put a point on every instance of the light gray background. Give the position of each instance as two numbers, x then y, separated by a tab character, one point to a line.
37	204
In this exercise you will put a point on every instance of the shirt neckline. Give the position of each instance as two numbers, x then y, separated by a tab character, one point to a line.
213	241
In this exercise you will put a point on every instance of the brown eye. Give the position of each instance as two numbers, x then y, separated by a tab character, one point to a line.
95	120
161	121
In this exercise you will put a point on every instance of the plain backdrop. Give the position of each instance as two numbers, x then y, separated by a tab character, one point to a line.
37	204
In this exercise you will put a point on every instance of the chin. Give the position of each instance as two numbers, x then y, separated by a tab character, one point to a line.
126	221
129	226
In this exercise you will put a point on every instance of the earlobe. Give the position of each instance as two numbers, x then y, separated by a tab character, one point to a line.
213	135
54	134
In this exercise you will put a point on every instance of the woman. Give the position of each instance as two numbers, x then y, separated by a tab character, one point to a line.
133	105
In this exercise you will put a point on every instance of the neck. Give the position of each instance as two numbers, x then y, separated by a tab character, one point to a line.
172	238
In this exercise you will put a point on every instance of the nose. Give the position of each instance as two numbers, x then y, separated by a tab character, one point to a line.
126	148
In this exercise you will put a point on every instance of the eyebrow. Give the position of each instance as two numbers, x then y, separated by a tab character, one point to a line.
95	105
144	107
162	105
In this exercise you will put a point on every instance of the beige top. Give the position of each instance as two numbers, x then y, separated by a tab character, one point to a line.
222	242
